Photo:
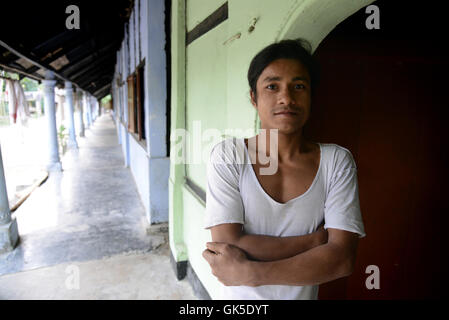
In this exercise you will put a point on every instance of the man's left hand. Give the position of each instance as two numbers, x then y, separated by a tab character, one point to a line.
229	264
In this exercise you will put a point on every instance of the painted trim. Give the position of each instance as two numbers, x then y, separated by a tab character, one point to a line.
180	268
198	289
197	191
178	114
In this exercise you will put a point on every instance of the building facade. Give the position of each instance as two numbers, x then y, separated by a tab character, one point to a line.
139	93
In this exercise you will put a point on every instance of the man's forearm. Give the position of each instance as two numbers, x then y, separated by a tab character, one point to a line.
316	266
265	248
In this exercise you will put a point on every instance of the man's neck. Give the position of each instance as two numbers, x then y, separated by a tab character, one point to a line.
290	147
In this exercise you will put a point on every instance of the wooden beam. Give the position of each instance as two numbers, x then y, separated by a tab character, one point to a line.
102	89
99	71
99	83
216	18
14	70
86	59
51	45
90	66
7	47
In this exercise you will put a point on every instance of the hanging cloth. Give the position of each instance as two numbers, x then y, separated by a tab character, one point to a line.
23	111
12	100
1	92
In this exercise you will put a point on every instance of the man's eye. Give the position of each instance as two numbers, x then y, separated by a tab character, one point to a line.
271	87
300	86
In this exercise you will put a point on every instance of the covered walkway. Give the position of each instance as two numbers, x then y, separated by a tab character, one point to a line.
89	218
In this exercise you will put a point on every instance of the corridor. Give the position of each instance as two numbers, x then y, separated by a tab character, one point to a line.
87	224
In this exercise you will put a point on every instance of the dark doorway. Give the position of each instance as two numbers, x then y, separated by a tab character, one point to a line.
382	96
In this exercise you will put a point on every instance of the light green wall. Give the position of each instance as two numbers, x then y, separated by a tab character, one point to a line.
206	94
198	10
217	93
195	239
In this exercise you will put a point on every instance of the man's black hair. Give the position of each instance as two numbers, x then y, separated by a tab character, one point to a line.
286	49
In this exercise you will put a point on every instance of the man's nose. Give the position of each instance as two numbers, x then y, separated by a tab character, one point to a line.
286	97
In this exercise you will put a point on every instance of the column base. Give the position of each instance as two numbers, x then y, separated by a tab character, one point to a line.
72	144
9	236
54	167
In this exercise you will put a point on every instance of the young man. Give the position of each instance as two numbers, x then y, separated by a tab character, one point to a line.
269	242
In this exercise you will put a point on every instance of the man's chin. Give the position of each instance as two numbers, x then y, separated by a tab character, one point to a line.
285	128
289	130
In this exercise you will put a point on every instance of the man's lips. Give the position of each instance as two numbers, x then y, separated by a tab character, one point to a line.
286	113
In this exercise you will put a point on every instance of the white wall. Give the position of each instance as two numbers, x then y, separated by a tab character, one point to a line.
148	163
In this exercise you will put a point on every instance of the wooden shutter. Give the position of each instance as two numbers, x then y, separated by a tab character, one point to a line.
131	104
139	105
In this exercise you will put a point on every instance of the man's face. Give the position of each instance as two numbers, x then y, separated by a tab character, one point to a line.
283	96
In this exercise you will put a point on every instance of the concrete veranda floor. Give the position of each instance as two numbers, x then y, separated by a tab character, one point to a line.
83	233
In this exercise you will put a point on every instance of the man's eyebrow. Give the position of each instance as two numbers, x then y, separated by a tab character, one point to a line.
269	79
300	79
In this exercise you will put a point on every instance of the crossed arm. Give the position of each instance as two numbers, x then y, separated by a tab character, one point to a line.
251	260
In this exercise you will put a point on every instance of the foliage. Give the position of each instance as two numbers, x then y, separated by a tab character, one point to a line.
29	84
63	137
106	99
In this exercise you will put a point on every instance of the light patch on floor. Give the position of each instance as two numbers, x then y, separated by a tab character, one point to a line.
124	277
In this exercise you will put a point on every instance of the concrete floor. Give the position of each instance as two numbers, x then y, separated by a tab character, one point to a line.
86	225
133	276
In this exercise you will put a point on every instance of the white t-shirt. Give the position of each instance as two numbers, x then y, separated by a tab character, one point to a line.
234	195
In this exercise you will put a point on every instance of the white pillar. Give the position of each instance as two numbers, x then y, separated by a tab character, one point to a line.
94	109
9	234
54	163
81	113
85	117
98	108
71	121
60	101
89	109
39	105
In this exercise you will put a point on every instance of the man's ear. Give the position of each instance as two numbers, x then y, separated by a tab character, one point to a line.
253	99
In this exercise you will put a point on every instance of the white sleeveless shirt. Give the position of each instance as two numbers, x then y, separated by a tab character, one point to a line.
234	195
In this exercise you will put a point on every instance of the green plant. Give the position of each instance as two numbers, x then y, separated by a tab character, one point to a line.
63	137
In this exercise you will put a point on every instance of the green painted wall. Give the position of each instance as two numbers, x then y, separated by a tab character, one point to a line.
210	87
198	10
206	100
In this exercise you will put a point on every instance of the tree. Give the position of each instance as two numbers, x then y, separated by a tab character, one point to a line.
29	84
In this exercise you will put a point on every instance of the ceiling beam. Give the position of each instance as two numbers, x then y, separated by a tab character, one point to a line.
54	43
87	84
90	66
102	89
7	47
100	69
65	49
85	60
8	68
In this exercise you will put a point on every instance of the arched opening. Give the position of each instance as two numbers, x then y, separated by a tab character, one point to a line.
313	20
